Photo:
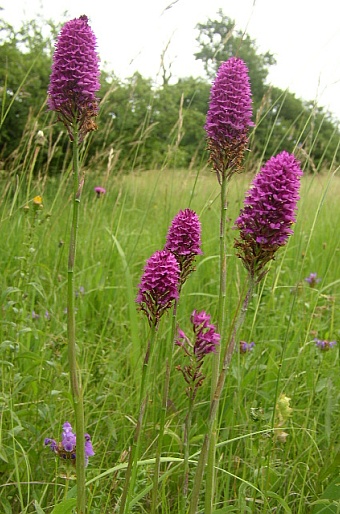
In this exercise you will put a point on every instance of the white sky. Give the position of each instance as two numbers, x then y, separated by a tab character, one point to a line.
303	35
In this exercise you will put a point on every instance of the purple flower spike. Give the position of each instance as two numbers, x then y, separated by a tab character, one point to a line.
75	77
159	285
184	240
206	340
269	212
100	191
312	279
324	345
206	336
66	449
229	116
246	347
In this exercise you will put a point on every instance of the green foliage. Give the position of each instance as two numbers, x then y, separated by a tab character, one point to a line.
25	68
256	471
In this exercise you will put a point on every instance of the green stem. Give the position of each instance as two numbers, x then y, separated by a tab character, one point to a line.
186	444
210	471
30	176
169	356
131	471
238	321
75	375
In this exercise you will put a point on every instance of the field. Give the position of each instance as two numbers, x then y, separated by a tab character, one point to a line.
278	421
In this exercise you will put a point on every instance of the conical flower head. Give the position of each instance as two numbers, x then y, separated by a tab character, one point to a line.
269	211
159	285
75	77
184	240
206	340
229	116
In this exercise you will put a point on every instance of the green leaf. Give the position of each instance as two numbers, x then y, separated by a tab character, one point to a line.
332	492
38	509
65	507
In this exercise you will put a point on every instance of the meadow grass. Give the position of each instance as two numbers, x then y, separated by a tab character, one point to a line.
264	464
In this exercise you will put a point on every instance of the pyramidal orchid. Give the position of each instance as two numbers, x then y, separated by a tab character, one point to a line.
74	82
74	79
269	212
159	285
227	125
229	116
184	241
206	340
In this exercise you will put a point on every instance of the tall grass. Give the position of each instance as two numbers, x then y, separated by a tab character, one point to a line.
264	463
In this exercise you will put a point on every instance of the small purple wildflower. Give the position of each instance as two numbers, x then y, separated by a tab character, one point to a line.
312	279
184	240
68	437
229	116
75	77
246	347
80	291
206	340
35	315
52	444
100	191
66	449
88	448
159	285
269	212
47	315
324	345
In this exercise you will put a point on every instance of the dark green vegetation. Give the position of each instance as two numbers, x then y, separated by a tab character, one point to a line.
143	121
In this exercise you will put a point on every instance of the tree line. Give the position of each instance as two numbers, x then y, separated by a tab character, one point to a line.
144	126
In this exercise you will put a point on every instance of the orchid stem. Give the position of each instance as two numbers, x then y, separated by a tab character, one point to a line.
238	321
210	473
168	361
131	471
75	374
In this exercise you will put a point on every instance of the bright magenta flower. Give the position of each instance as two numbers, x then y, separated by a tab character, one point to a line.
75	77
269	211
184	240
229	116
100	191
159	285
205	341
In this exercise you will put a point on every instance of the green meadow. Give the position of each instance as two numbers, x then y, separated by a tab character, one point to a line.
269	458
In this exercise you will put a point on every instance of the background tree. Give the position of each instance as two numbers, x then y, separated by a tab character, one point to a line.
219	41
25	65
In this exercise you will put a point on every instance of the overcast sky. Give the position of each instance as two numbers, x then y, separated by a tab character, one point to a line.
303	35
